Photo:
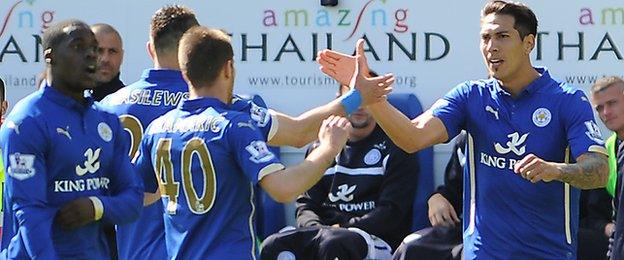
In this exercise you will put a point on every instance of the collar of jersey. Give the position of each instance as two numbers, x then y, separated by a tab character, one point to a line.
201	102
534	86
162	74
63	100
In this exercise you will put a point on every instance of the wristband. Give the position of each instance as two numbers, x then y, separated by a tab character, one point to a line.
98	207
351	101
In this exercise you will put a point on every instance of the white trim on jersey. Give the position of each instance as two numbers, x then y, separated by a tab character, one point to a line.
356	171
566	202
271	168
274	125
251	228
473	184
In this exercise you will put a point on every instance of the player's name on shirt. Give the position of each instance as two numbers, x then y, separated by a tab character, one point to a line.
195	123
147	97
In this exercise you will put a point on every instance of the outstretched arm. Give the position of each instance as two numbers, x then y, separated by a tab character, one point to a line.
410	136
285	185
303	129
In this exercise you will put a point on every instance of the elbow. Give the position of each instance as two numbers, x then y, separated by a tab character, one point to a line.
283	197
299	143
603	174
411	147
281	193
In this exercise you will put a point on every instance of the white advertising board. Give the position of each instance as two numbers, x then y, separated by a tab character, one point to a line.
430	46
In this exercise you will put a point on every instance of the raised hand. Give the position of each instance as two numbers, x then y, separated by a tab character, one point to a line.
353	71
334	132
374	89
337	65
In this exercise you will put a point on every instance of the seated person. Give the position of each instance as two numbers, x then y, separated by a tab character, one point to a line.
596	224
444	239
362	206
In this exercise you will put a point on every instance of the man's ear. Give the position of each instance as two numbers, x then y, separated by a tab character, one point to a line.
528	43
150	50
47	56
228	69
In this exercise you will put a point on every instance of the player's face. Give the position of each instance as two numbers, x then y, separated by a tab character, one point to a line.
73	63
609	104
110	56
504	52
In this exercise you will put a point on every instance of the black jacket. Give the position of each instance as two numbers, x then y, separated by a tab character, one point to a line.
371	187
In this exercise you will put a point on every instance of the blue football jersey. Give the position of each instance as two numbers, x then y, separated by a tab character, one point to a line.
55	151
137	105
506	216
260	115
207	158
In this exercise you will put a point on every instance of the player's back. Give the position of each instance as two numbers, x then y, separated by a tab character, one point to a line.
137	105
209	159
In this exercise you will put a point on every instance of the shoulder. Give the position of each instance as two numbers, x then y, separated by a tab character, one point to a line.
30	110
470	87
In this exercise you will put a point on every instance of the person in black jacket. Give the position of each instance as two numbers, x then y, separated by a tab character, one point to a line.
362	206
444	239
110	57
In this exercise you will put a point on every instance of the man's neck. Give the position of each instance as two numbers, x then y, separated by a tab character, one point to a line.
215	91
64	88
166	62
517	83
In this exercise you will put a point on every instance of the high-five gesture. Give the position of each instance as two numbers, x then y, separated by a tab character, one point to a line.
353	71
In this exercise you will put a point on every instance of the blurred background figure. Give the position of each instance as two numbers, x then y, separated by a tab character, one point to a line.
110	57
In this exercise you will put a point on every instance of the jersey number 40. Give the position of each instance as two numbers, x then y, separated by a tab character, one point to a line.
171	188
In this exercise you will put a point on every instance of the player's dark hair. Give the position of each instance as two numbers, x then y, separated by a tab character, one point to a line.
525	21
203	53
168	25
54	34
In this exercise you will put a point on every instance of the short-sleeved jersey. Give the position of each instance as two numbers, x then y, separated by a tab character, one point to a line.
263	117
207	158
508	217
55	151
137	105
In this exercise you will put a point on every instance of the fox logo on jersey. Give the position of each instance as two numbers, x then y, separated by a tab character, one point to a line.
92	163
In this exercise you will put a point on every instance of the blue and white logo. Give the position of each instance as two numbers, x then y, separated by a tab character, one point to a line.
21	166
541	117
259	151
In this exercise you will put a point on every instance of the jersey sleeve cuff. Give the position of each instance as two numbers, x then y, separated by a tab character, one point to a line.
98	206
271	168
598	149
274	125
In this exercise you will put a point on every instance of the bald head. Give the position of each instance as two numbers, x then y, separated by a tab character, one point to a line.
110	52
